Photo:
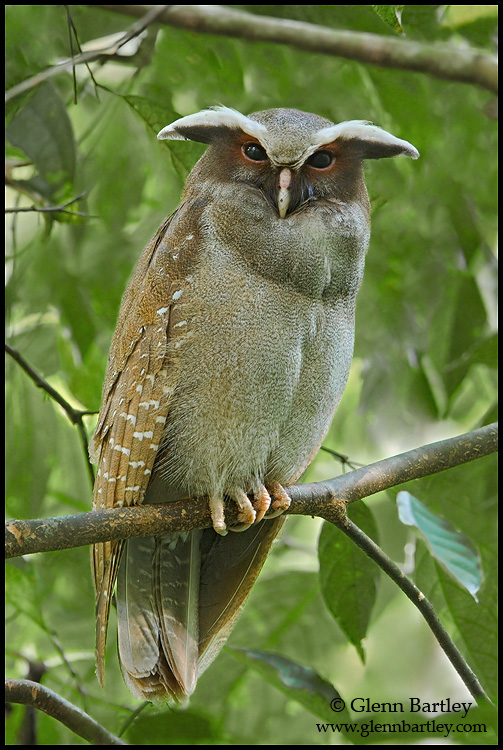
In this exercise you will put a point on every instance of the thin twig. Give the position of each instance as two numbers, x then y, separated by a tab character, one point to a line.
420	601
52	209
344	460
73	674
71	28
108	52
31	693
74	415
132	717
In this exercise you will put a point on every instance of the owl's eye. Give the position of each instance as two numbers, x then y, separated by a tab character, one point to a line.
321	159
254	151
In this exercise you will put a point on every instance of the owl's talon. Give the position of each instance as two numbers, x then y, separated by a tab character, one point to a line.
247	514
220	528
281	500
261	502
241	527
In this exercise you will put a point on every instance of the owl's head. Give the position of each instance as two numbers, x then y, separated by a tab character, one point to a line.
293	157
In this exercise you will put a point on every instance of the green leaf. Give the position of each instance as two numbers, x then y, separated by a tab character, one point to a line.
155	115
183	155
301	684
391	15
185	728
21	590
467	496
422	22
42	129
348	577
436	384
452	549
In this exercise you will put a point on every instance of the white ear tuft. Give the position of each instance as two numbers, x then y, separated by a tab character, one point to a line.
205	125
372	142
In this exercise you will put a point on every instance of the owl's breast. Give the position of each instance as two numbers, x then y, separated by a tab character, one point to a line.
260	368
317	251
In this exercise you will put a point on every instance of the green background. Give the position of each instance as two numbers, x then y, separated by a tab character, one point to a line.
424	365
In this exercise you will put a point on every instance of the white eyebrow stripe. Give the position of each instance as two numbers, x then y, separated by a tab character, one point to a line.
218	117
363	131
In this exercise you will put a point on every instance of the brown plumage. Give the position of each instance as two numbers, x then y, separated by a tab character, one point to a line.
230	356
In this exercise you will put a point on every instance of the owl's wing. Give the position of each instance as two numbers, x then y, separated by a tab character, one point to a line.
135	404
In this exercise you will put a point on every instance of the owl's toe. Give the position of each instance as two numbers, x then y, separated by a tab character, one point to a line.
247	512
260	505
217	515
261	502
280	499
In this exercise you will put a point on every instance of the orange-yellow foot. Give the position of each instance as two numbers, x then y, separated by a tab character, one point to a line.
246	514
273	499
280	499
261	503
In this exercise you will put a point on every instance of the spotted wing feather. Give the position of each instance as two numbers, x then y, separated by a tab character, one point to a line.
135	404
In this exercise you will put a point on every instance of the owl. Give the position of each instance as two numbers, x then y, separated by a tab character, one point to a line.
231	353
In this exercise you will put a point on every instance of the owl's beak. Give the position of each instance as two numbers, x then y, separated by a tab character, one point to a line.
284	195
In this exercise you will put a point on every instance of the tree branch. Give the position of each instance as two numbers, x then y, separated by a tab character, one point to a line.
326	500
31	693
74	415
419	600
438	60
390	472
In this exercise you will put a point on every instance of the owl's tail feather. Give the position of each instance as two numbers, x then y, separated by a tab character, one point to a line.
178	597
157	616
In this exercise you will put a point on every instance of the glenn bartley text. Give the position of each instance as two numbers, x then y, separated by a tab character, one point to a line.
446	705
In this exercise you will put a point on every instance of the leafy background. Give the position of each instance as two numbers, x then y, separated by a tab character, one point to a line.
424	365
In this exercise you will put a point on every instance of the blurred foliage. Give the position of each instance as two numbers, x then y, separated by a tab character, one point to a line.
424	364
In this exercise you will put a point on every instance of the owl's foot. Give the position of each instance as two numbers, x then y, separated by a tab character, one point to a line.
281	500
261	504
273	499
246	515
